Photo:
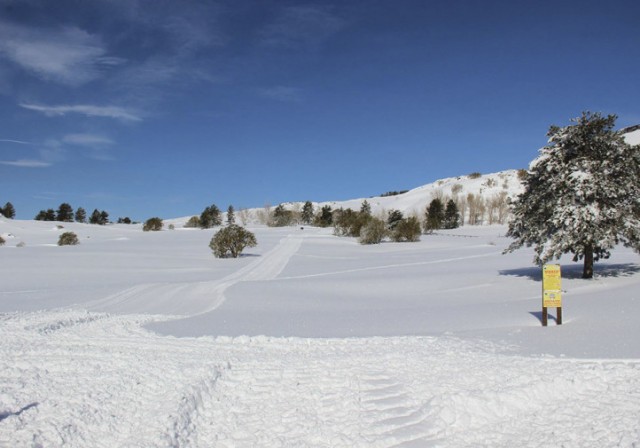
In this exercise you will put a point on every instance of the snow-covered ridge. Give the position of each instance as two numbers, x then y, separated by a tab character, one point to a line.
416	200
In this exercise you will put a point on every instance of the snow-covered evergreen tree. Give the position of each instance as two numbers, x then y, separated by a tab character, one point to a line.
582	194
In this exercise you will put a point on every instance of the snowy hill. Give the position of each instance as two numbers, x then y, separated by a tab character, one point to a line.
486	187
416	200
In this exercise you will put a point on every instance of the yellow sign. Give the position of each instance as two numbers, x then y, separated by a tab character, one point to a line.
551	286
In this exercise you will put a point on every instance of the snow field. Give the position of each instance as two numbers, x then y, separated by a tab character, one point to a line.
91	379
449	350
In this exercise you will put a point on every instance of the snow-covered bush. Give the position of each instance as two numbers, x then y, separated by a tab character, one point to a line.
231	241
153	224
2	241
68	239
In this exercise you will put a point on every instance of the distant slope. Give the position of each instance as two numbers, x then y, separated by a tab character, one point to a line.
415	201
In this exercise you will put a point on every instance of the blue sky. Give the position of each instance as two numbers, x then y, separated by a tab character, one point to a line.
160	108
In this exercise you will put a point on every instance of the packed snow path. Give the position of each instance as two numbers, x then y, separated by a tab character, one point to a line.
91	379
193	298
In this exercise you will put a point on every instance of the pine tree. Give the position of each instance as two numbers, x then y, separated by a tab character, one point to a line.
99	217
231	216
580	194
64	213
50	215
365	208
434	215
8	211
210	217
325	217
451	215
307	213
81	215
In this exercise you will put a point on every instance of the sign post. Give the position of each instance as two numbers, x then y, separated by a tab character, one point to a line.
551	292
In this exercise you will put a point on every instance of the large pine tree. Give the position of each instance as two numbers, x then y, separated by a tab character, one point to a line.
8	211
582	194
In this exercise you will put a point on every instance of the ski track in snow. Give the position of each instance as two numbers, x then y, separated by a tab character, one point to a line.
190	299
78	379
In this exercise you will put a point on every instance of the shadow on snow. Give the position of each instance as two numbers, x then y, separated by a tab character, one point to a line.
4	415
574	271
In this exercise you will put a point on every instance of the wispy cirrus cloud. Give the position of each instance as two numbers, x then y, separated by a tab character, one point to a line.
302	26
91	140
282	93
67	55
26	163
115	112
8	140
96	144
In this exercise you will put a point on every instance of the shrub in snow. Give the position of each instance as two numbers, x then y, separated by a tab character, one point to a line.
373	232
406	230
281	217
21	244
394	217
474	175
68	239
2	241
348	222
231	241
153	224
580	194
172	227
193	222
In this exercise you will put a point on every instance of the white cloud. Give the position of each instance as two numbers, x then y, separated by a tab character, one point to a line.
26	163
88	110
67	55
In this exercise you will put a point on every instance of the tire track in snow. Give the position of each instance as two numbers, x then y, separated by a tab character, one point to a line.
108	382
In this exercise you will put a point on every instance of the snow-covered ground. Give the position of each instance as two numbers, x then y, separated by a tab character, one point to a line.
145	339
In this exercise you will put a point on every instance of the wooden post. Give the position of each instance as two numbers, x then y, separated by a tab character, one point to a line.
544	316
559	315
